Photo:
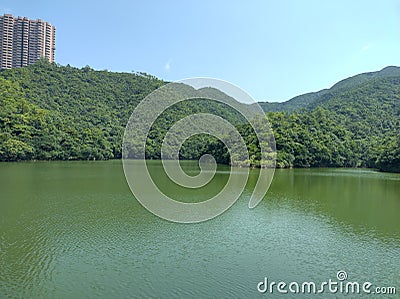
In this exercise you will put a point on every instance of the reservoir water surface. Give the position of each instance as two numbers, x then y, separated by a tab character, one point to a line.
74	230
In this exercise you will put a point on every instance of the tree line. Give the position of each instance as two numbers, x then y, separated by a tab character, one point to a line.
53	112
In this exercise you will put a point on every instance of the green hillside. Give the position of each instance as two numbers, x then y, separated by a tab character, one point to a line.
308	100
366	108
51	112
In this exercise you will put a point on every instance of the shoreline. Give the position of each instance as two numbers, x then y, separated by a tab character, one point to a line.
236	166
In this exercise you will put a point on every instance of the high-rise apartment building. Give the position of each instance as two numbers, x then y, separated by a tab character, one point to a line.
24	41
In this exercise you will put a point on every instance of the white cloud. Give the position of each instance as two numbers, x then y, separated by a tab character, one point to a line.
365	47
167	66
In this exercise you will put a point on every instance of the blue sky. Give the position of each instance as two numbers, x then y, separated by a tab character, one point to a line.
274	50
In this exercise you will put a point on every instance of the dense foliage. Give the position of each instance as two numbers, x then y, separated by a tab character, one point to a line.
348	128
389	157
83	111
310	100
50	112
355	124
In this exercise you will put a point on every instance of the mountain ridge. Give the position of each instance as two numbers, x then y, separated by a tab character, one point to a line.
306	100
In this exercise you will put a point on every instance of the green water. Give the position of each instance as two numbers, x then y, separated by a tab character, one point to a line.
73	230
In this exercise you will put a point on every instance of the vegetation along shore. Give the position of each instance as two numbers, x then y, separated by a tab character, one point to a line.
53	112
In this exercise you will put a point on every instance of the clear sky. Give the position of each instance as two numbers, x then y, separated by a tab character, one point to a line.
272	49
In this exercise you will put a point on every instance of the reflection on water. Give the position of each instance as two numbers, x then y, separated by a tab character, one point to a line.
364	199
71	230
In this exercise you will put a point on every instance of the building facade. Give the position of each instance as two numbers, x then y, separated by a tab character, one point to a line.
24	41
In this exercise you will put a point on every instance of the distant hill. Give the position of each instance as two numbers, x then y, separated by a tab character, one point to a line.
310	100
355	123
368	105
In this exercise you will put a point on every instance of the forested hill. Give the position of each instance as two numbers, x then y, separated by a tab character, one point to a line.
366	107
313	99
60	112
52	112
